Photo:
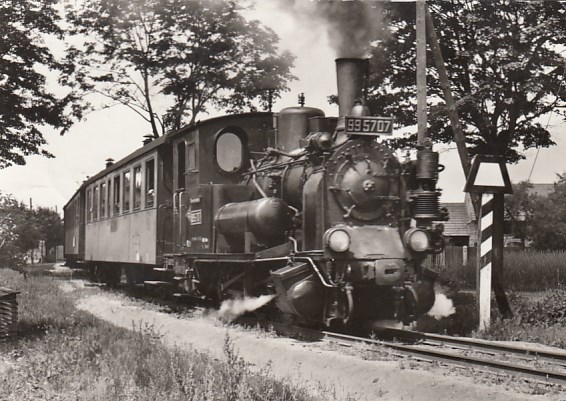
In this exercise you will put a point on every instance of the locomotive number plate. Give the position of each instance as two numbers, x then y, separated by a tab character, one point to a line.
369	125
195	217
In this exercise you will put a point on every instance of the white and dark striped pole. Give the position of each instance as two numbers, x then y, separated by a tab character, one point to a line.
484	260
489	179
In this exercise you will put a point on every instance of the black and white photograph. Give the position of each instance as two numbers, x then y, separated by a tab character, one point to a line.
282	200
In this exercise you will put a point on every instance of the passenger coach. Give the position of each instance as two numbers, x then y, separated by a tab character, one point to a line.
126	217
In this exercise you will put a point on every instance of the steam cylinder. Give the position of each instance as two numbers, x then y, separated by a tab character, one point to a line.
294	125
266	218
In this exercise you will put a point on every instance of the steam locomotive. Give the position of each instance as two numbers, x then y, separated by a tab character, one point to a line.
316	211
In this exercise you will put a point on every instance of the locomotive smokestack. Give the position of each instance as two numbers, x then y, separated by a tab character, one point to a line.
350	74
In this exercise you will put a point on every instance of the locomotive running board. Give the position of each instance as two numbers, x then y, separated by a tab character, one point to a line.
275	252
157	283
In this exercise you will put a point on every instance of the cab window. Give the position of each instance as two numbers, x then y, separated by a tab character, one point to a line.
228	152
192	149
181	165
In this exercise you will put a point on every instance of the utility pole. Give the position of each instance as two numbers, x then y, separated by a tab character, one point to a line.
449	99
497	259
421	72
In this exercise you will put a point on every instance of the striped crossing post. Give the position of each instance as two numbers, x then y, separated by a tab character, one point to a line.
484	260
488	177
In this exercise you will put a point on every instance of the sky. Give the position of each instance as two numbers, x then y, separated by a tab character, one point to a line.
116	132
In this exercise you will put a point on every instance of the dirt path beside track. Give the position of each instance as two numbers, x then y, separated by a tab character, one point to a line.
313	364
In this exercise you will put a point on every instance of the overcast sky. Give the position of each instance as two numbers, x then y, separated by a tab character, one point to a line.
117	132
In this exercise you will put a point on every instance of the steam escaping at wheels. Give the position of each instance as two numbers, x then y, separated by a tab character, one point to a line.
443	307
230	309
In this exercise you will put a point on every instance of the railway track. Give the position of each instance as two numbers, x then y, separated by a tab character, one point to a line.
543	366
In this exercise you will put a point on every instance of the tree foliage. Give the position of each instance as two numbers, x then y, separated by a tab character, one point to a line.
548	229
189	54
503	58
520	209
22	228
26	102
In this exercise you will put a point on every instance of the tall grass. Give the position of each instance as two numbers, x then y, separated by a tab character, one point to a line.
523	270
72	355
531	270
540	320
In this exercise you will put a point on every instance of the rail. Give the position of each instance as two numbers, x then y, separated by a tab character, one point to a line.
423	349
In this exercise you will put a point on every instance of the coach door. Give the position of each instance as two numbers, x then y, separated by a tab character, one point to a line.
180	195
186	178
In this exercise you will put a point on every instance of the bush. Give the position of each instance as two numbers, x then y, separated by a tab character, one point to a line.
539	320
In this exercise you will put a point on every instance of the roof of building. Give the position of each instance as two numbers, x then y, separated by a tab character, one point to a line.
542	189
459	218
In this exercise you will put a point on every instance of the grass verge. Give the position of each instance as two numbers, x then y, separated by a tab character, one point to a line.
523	270
66	354
537	317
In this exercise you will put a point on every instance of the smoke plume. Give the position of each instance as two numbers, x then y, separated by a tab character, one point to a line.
352	25
443	307
232	308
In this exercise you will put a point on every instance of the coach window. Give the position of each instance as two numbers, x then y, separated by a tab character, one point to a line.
77	212
95	203
116	194
181	165
109	197
127	177
150	183
137	187
103	200
89	205
228	152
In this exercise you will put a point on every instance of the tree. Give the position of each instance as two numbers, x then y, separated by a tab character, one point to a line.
49	225
191	54
520	209
22	228
8	237
549	220
26	103
503	58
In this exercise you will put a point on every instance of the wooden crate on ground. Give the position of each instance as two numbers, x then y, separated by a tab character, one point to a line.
8	312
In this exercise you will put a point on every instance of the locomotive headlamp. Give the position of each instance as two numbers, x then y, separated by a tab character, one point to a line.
417	239
338	240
